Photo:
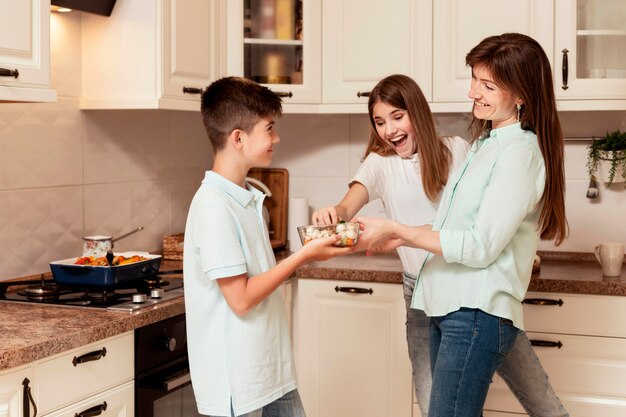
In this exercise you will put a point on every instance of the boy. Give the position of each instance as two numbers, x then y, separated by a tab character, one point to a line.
238	340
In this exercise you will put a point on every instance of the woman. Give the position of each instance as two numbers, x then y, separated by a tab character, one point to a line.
507	194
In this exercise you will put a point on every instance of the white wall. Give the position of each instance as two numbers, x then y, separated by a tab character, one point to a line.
65	173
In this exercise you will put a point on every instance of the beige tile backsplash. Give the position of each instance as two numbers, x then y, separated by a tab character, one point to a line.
66	173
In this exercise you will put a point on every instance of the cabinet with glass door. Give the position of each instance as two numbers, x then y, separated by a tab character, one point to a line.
276	43
590	72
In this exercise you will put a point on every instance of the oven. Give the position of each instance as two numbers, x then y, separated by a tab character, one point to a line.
162	379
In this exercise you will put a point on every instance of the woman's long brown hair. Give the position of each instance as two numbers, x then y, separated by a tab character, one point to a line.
435	158
519	65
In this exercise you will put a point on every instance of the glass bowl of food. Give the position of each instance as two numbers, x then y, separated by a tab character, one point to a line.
348	231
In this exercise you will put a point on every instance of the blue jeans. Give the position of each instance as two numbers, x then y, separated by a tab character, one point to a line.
289	405
466	348
521	369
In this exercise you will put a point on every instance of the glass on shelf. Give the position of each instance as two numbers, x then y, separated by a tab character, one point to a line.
272	19
273	41
601	35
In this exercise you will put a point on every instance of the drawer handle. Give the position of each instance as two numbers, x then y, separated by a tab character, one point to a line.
91	356
93	411
5	72
546	343
288	94
362	94
192	90
543	302
354	290
28	399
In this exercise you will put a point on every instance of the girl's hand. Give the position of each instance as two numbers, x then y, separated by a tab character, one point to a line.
326	215
324	248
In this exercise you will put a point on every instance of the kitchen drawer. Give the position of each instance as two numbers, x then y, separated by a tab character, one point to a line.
120	402
60	383
587	373
592	315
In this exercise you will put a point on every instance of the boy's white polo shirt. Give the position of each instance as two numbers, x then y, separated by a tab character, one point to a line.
250	357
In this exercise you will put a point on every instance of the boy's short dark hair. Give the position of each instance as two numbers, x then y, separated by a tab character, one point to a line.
236	103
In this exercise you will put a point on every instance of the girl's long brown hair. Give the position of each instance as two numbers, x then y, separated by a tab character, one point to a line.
518	64
435	158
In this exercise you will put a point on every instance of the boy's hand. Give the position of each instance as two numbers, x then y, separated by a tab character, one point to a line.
324	248
326	215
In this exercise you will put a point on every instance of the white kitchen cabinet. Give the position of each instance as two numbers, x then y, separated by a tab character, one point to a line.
365	41
276	43
116	402
12	390
460	25
74	381
25	51
85	371
583	351
350	349
590	63
149	55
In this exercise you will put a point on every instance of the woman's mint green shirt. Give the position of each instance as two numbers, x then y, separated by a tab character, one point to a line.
488	224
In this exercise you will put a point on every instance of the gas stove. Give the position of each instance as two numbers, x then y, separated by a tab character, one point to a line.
130	296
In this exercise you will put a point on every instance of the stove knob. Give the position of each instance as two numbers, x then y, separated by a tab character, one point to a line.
169	343
157	293
139	298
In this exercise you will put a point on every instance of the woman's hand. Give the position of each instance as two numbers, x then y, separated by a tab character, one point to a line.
377	235
326	215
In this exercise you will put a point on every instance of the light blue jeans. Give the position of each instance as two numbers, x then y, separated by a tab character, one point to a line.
289	405
521	369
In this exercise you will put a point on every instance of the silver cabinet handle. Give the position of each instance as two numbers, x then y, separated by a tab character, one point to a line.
179	381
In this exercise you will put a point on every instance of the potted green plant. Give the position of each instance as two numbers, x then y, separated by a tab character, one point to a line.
607	156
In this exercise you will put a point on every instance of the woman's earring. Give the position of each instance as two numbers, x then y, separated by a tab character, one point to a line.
519	107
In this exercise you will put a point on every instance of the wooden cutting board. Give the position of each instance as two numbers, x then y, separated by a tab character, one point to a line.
277	180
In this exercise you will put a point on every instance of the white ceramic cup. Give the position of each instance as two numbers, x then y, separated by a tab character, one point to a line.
610	255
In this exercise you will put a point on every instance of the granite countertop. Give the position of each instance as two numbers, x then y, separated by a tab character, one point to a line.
31	332
559	272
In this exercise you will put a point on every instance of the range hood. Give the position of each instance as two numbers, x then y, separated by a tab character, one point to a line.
103	7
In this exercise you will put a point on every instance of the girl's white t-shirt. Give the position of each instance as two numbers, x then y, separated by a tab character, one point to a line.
398	183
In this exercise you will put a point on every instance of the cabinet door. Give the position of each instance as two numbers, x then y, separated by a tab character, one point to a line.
12	390
25	51
592	35
364	41
188	48
276	43
351	351
587	373
460	25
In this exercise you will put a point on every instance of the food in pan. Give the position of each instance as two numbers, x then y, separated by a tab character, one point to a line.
348	231
102	261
